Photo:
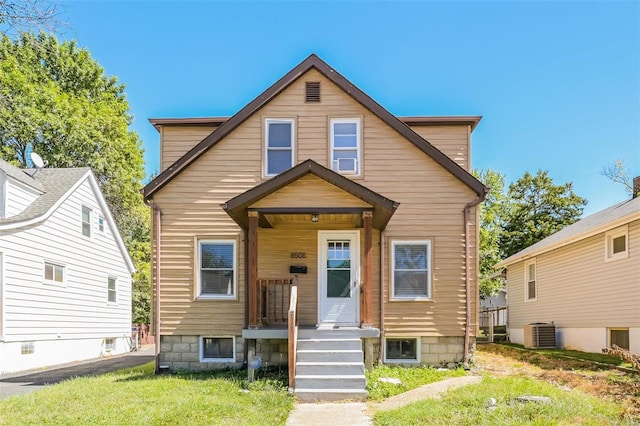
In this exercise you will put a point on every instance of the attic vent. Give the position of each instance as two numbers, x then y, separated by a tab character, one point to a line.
313	91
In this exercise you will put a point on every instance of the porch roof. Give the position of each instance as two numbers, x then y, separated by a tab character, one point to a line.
238	207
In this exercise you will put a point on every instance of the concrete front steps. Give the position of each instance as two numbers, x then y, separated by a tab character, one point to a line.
330	366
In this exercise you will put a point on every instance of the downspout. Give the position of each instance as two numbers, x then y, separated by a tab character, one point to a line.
156	274
467	279
381	352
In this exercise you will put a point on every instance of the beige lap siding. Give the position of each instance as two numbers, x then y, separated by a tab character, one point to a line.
431	198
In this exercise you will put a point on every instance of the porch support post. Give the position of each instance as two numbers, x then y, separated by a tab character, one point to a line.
253	269
368	269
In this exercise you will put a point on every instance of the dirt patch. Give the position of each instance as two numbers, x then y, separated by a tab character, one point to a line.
590	377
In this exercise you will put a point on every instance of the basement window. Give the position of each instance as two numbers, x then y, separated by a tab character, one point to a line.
402	350
27	348
217	349
619	337
109	344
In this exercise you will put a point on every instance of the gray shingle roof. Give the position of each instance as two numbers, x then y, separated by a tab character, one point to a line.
20	175
601	221
54	183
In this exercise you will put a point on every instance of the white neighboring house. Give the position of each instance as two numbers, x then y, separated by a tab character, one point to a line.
585	279
65	274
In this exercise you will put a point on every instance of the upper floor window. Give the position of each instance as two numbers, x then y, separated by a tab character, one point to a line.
86	221
279	146
217	264
53	272
111	290
101	223
411	268
531	289
345	146
617	243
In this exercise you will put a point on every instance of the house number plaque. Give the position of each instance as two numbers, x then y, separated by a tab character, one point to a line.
298	255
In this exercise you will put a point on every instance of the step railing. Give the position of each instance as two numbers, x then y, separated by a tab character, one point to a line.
273	299
292	333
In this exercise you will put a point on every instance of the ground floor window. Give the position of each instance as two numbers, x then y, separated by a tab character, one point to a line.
217	349
619	337
405	349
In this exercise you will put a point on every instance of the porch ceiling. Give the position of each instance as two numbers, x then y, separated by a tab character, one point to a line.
381	207
272	219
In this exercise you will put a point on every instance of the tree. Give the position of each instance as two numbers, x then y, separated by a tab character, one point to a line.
536	209
618	172
491	223
57	101
28	14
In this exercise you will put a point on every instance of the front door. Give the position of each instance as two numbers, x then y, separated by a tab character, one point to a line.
338	277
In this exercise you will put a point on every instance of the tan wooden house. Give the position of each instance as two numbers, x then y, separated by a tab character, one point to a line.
314	228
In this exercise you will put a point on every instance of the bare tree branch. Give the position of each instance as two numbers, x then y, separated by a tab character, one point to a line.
26	15
617	172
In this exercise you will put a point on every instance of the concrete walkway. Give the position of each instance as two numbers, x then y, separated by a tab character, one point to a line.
359	413
33	380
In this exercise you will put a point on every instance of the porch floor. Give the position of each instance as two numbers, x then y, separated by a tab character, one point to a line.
280	331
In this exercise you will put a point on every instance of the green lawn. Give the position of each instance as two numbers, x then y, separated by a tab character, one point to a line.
411	378
469	406
138	397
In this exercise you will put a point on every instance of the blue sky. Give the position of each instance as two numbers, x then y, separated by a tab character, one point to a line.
557	83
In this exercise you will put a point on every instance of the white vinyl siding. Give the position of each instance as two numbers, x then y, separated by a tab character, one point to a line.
18	197
411	270
279	146
76	310
346	146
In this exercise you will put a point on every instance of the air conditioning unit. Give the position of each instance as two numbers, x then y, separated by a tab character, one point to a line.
540	335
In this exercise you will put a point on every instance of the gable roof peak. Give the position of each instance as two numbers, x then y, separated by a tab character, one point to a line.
313	61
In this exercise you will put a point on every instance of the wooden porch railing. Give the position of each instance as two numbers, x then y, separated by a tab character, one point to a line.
292	327
273	300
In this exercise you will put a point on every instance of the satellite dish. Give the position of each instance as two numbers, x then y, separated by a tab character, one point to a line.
37	160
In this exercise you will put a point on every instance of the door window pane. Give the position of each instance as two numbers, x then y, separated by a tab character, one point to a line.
338	269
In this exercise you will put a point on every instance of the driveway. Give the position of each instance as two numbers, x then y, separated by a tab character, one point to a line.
33	380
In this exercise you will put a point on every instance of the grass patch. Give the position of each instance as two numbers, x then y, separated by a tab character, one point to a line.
411	378
139	397
567	353
469	406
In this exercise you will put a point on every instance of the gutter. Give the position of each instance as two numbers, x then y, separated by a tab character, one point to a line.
157	213
467	268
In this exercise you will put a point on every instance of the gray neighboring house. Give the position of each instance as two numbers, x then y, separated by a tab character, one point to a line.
585	279
65	274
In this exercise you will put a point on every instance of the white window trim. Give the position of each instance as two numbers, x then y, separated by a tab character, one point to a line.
402	361
200	296
429	295
115	290
265	163
82	223
608	246
526	281
357	121
201	349
62	283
